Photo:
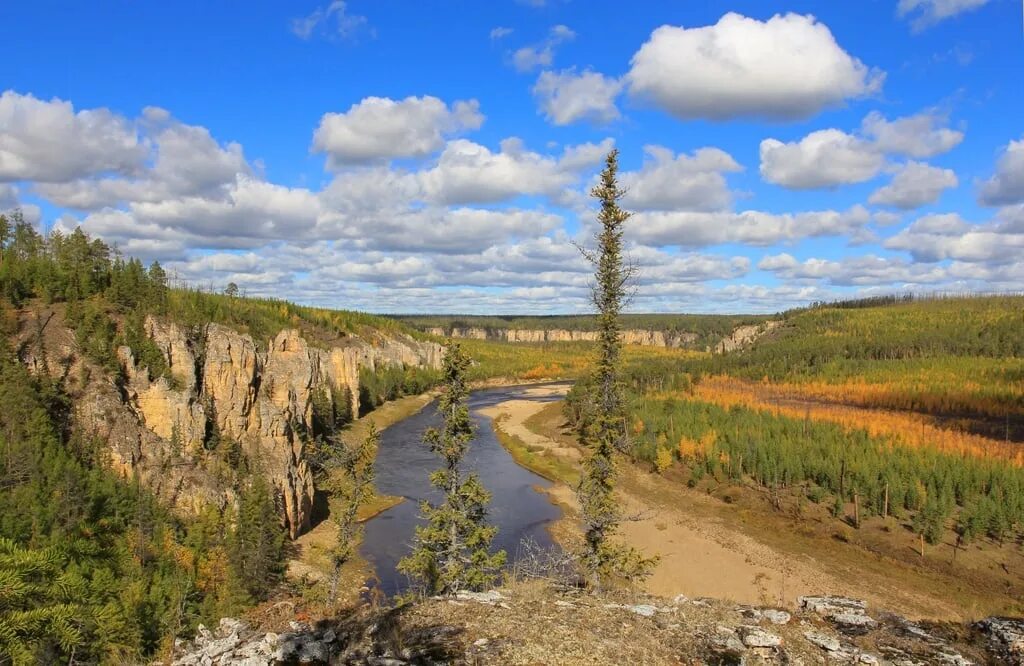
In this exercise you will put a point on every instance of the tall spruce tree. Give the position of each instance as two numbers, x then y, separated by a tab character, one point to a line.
452	550
355	489
603	432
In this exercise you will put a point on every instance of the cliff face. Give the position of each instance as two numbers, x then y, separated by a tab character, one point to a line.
745	336
643	337
222	384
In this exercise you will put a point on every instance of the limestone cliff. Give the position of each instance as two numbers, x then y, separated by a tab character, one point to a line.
648	338
741	337
220	383
745	336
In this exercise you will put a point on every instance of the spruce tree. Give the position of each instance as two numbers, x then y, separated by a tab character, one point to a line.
452	550
603	431
257	544
355	490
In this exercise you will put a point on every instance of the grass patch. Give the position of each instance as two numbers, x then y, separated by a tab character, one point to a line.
538	460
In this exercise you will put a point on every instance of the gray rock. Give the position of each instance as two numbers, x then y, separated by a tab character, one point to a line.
847	614
1005	635
203	634
759	638
313	652
852	620
826	605
824	641
728	646
776	616
645	610
491	597
230	625
216	648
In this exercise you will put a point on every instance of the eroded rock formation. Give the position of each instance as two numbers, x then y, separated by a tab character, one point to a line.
744	336
648	338
221	386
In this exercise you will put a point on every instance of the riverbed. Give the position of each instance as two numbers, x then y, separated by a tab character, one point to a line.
519	506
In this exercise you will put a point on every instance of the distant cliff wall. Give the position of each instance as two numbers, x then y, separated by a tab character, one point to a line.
739	338
643	337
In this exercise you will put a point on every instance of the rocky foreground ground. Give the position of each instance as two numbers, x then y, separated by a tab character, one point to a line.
534	623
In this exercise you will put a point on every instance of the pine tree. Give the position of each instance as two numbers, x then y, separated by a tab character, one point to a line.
603	431
452	551
356	490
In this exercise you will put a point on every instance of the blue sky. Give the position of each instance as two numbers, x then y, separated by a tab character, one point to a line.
435	156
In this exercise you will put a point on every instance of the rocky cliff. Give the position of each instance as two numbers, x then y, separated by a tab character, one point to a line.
744	336
741	337
648	338
221	387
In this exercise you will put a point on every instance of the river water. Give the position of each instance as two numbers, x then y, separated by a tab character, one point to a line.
518	508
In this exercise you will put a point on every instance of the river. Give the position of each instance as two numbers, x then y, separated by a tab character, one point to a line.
403	464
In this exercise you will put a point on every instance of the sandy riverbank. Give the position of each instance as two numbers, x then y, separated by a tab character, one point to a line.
704	547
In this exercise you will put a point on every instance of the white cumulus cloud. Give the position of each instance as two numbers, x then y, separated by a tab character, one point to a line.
920	135
824	158
915	185
680	182
49	142
379	128
566	97
1006	186
788	67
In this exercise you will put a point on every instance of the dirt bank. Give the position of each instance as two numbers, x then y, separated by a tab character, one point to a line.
708	548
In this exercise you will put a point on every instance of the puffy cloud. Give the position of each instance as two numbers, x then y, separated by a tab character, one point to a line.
1006	186
914	185
920	135
831	157
187	161
948	236
697	229
541	55
379	128
785	68
680	182
926	13
10	203
566	97
467	172
853	271
49	142
824	158
334	20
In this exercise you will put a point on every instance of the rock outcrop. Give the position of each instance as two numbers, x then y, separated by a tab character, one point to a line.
262	400
221	386
529	624
741	337
647	338
744	336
